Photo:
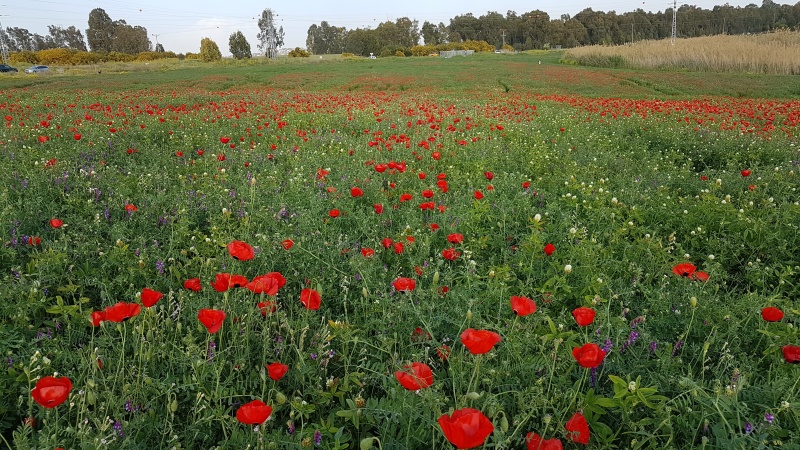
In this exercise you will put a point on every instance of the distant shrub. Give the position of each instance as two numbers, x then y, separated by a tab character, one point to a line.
299	53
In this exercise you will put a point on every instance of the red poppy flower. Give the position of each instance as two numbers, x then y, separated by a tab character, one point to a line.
455	238
479	342
150	297
434	226
549	249
321	173
578	428
427	206
404	284
51	162
415	376
427	193
478	195
450	254
589	355
700	276
398	248
522	306
241	250
536	442
277	370
356	192
703	178
746	173
443	352
334	213
386	243
130	208
51	391
98	317
420	335
466	427
253	413
684	269
310	299
268	284
267	307
122	311
34	240
211	318
583	316
192	284
224	281
378	208
405	197
791	353
489	175
224	139
287	244
56	223
367	252
77	136
43	139
771	314
526	184
442	290
221	158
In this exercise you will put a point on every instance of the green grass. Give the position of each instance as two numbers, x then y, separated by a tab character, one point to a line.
627	173
478	73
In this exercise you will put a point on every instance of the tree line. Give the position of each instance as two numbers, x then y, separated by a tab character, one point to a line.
537	30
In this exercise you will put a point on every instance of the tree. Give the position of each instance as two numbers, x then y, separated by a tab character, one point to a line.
100	33
66	38
130	39
209	50
159	48
239	47
269	37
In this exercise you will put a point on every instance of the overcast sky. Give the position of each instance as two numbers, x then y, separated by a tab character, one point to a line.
180	24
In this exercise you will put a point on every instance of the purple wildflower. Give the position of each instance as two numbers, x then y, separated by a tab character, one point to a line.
317	438
768	418
748	428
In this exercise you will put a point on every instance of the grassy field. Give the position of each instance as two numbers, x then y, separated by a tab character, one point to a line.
769	53
402	253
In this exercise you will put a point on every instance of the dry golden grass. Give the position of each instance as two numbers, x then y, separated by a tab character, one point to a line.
772	53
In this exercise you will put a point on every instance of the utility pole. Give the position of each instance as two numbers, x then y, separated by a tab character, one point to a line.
631	32
504	37
156	36
674	19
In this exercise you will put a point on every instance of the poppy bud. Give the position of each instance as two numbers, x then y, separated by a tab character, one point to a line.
473	395
693	302
174	405
364	292
504	424
436	277
366	443
280	398
469	314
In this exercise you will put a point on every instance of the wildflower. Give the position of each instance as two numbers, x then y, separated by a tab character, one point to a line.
589	355
466	427
479	342
415	376
253	413
578	428
522	306
51	391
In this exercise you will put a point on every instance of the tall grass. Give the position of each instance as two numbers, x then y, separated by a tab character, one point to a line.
771	53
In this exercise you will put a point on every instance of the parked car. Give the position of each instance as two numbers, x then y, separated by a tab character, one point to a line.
6	68
37	69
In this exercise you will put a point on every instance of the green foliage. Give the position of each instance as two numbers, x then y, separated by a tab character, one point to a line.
239	47
209	51
298	52
615	185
